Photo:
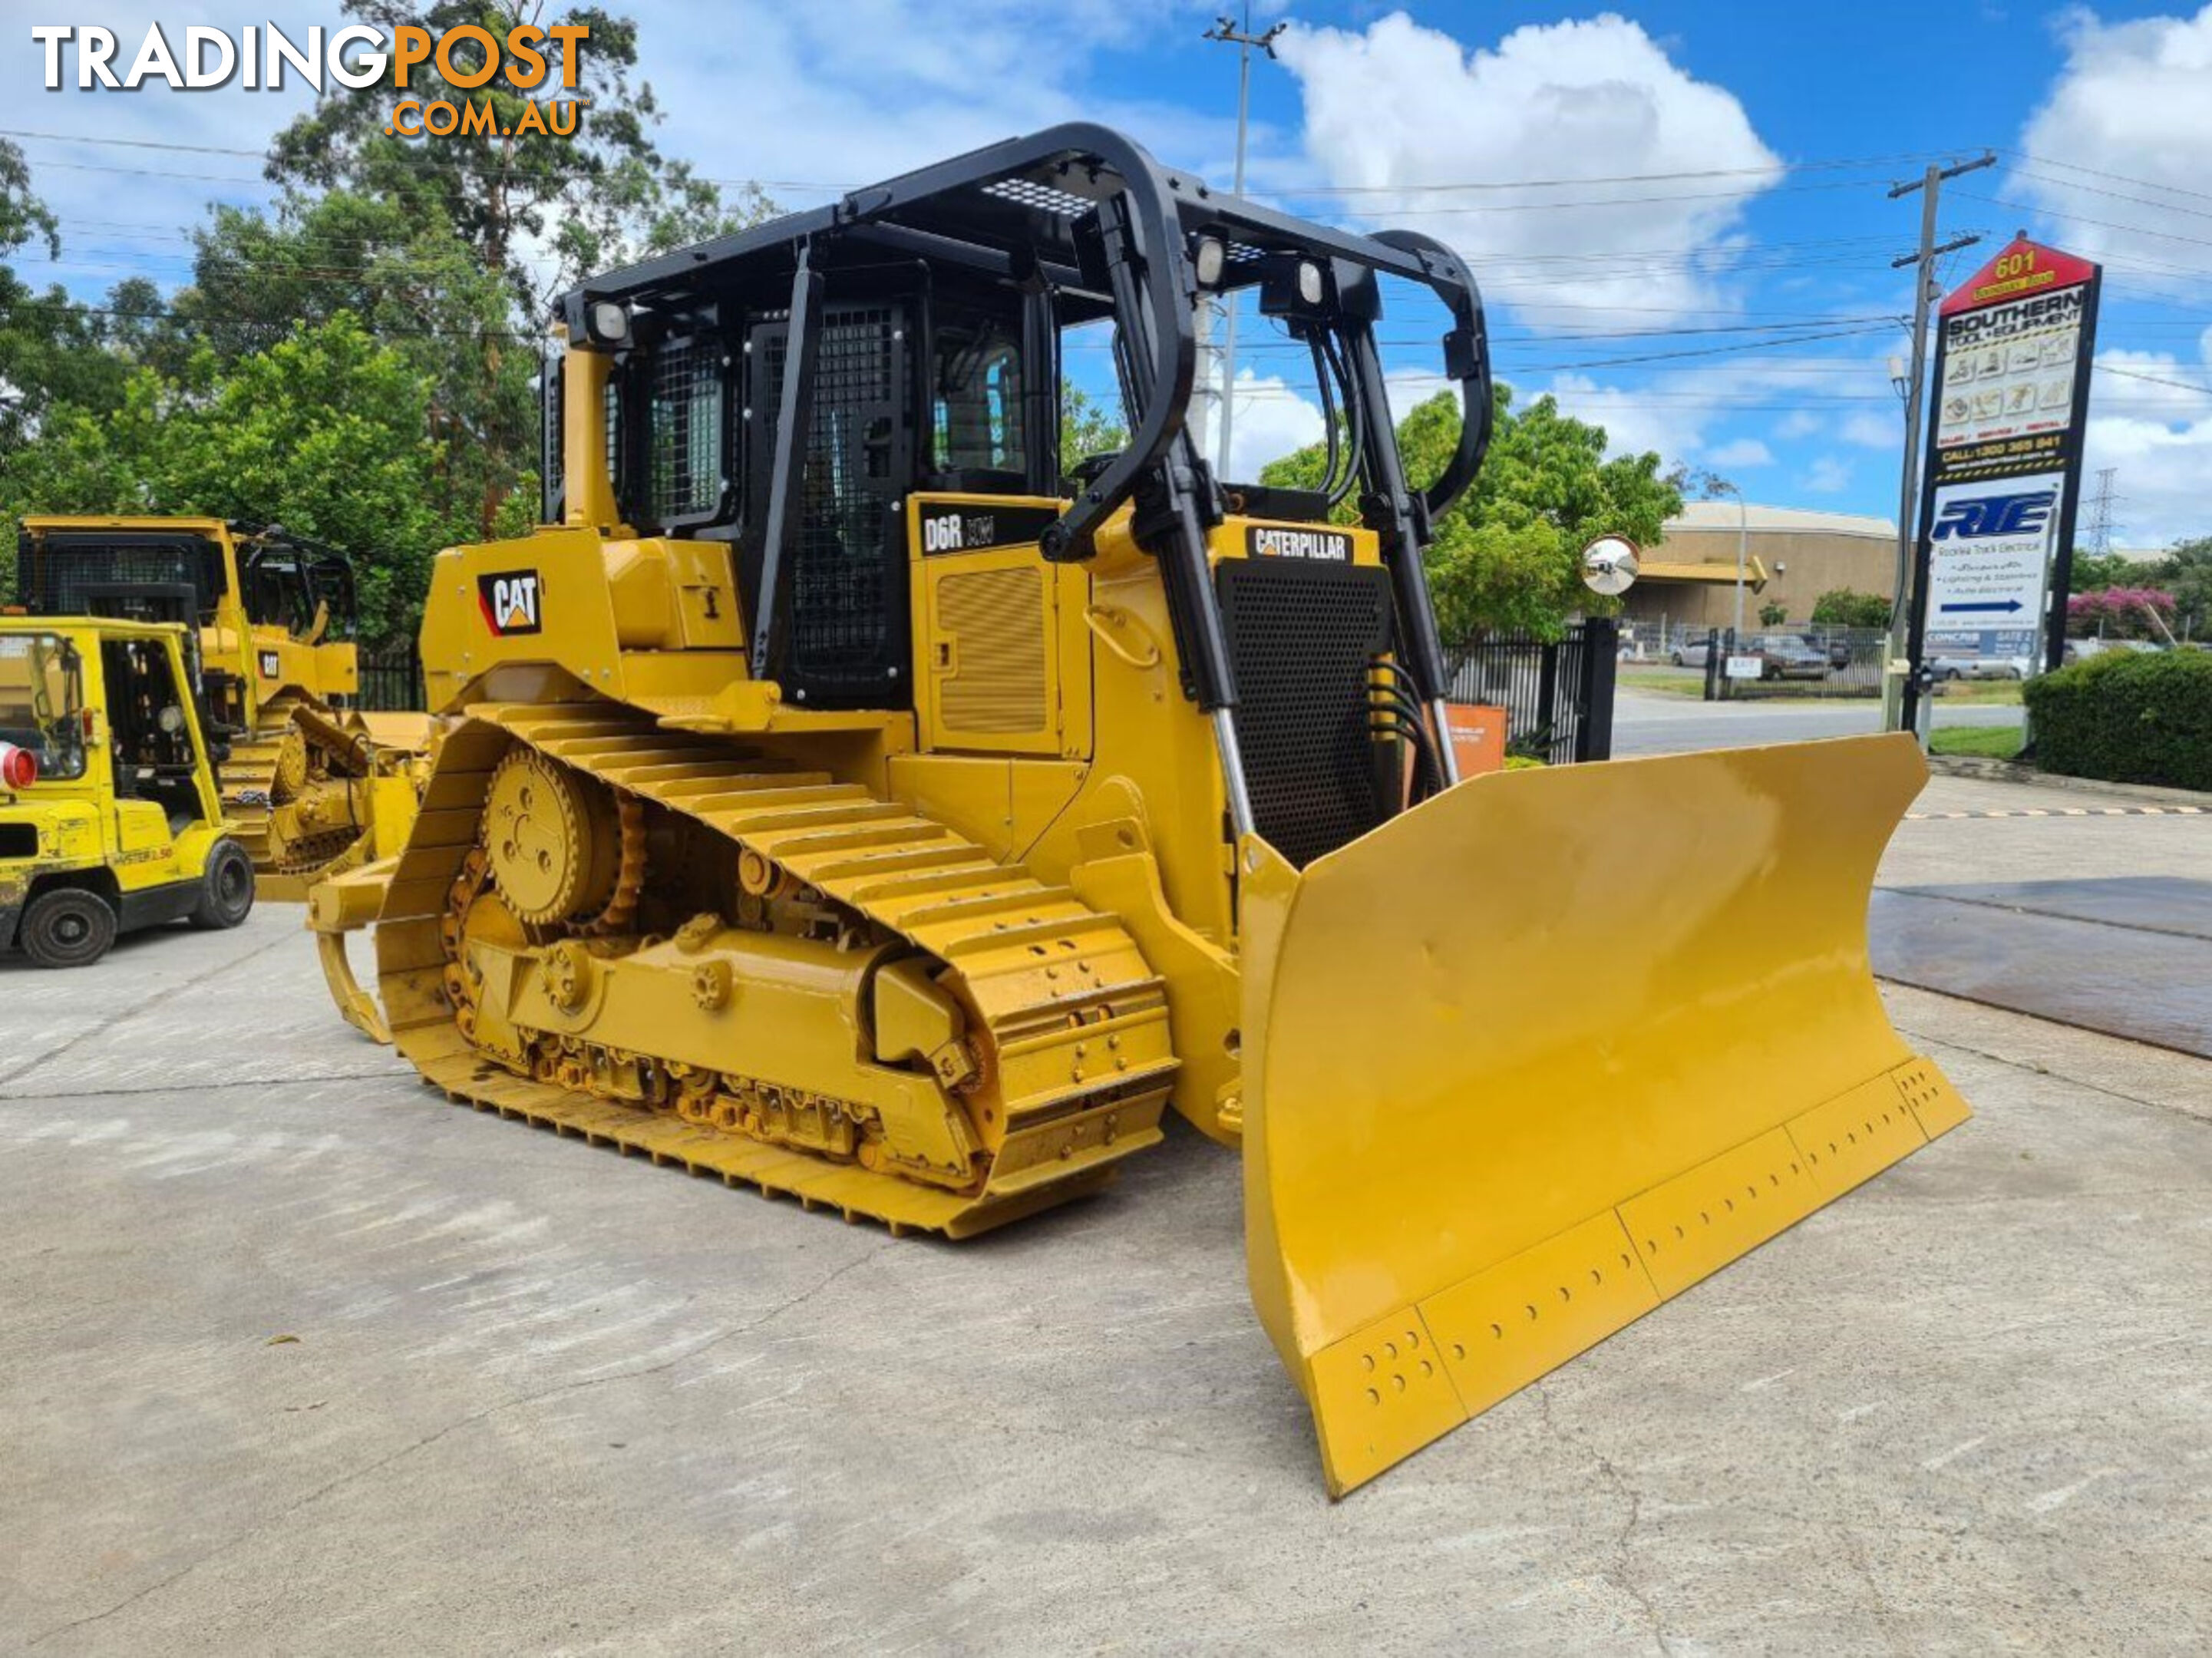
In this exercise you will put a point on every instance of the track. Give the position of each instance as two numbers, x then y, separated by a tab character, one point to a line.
1070	1022
249	780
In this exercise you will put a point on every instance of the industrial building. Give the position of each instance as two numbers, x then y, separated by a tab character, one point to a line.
1788	556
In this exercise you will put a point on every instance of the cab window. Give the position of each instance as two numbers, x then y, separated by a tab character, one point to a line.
42	701
277	593
978	395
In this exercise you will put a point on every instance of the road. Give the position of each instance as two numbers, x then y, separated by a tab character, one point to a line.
1648	722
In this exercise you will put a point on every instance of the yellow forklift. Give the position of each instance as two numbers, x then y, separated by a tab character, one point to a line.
110	819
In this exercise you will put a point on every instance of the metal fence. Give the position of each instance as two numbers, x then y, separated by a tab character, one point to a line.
392	678
1809	660
1557	695
1796	659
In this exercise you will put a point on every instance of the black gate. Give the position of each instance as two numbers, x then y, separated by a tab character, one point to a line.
392	678
1557	695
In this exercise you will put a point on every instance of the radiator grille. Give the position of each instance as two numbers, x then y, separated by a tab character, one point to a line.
998	682
1302	636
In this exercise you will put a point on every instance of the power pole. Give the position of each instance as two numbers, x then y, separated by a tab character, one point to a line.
1903	598
1243	40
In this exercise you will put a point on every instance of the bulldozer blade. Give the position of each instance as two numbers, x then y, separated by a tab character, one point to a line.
1549	1050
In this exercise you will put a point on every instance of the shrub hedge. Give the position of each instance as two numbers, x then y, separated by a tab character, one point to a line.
2128	716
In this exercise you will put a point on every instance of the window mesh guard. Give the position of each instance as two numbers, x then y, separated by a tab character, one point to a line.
75	576
846	615
684	458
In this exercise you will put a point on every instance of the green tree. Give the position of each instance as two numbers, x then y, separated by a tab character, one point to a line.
1087	428
2186	573
417	287
326	431
1508	556
593	198
1841	607
53	349
1773	614
2092	571
1698	483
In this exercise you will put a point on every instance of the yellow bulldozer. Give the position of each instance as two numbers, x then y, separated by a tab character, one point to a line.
837	797
312	786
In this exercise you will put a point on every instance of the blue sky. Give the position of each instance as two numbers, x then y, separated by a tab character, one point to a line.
1660	179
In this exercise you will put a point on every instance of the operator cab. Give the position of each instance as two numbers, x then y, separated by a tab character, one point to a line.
921	381
300	585
149	738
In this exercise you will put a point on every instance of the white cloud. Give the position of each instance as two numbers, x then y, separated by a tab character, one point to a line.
1871	431
1274	419
844	94
2154	384
1741	451
2130	101
1673	415
2162	469
2158	433
1827	475
1633	423
1401	106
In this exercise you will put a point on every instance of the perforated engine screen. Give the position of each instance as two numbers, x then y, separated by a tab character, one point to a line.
1302	635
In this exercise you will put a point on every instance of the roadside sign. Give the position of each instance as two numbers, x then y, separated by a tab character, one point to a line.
1478	737
1745	667
2002	470
1988	553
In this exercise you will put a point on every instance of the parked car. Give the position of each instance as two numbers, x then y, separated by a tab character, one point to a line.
2081	650
1785	656
1838	650
1691	654
1978	667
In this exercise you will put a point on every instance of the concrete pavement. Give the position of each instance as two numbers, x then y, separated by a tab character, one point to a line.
295	1357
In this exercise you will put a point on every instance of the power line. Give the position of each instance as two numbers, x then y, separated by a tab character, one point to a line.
2101	224
2117	178
201	323
1687	175
1684	175
2117	195
2154	380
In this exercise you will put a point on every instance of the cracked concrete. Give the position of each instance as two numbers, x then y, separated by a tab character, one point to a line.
542	1398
